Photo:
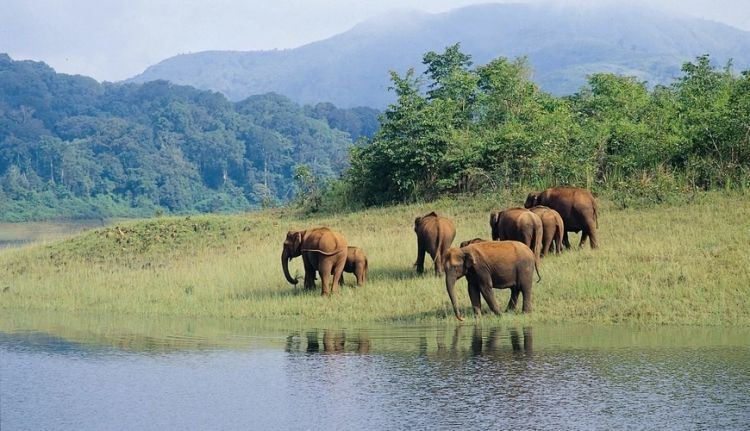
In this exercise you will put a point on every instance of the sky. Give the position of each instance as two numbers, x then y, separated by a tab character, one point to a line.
111	40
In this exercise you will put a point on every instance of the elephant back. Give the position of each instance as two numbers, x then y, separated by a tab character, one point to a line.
324	240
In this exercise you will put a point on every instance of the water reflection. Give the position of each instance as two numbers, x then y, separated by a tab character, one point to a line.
59	374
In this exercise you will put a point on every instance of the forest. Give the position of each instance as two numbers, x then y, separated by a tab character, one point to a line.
458	128
71	147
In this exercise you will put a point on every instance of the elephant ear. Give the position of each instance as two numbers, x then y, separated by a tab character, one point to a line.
531	200
494	216
295	239
469	260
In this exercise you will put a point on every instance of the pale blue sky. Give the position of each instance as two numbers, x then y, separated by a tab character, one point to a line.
116	39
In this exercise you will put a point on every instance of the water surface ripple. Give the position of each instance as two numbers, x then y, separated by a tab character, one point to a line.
467	377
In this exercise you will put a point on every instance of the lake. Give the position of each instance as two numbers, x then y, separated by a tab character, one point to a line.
62	372
19	234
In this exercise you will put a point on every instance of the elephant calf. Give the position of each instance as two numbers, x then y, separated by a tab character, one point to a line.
488	265
553	228
356	263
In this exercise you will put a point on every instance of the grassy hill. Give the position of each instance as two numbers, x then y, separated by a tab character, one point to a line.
677	264
563	44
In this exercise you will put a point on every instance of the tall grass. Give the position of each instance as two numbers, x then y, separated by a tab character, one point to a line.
677	264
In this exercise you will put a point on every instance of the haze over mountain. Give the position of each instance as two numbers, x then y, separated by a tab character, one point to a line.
563	46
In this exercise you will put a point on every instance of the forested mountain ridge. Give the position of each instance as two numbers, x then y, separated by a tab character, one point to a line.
73	147
563	46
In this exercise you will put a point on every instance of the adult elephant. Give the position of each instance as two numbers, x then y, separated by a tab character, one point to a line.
576	206
434	236
488	265
322	250
553	228
518	224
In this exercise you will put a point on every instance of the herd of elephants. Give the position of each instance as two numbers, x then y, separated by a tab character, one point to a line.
520	236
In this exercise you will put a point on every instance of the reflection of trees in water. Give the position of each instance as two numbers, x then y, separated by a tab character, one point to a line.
332	341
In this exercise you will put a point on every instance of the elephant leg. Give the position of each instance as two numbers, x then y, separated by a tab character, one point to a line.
309	272
526	291
341	280
338	272
360	274
489	297
546	246
566	241
594	241
420	258
584	236
513	298
325	275
475	301
438	261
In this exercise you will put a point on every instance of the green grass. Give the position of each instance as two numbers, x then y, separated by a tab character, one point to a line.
681	264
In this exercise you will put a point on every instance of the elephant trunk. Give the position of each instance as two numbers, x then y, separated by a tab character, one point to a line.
450	282
285	258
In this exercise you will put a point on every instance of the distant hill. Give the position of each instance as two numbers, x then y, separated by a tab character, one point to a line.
71	147
563	45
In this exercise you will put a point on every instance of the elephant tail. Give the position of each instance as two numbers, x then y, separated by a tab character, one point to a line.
439	249
324	253
536	268
596	215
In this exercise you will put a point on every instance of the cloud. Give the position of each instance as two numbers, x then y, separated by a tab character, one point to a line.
113	40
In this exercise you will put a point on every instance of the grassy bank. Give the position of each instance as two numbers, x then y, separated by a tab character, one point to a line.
682	264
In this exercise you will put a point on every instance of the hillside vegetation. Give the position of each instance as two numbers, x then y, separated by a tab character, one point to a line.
672	264
460	128
564	44
71	147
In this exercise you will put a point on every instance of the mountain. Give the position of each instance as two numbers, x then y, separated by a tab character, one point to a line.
563	46
72	147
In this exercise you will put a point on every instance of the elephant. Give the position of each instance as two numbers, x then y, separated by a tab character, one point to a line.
576	206
434	235
472	241
488	265
356	263
553	228
518	224
322	250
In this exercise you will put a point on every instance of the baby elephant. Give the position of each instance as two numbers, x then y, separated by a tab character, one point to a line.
356	263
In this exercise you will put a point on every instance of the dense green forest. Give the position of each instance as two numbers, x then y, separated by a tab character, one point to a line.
71	147
459	128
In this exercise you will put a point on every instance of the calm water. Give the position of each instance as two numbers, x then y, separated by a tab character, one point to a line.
99	374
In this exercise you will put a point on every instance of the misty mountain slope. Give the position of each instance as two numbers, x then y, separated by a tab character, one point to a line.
563	45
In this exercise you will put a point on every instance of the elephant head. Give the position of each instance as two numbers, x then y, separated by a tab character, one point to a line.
418	220
494	217
292	248
458	261
532	200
